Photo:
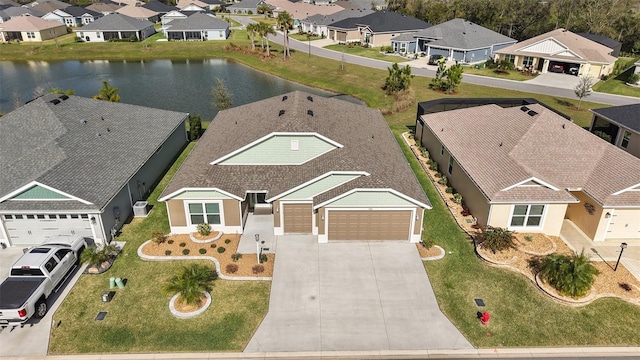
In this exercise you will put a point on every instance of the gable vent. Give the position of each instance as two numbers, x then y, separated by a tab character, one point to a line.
63	97
310	98
55	101
532	113
281	113
285	98
310	112
524	108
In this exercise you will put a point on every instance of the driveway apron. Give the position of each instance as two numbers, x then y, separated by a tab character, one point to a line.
352	296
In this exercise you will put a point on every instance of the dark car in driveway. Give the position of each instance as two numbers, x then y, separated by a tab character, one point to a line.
434	59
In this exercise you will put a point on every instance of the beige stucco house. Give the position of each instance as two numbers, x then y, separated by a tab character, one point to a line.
376	29
29	28
560	51
528	169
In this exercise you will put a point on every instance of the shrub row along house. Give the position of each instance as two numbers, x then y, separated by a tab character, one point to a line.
526	168
306	164
78	165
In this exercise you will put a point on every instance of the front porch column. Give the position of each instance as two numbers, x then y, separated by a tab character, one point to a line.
119	35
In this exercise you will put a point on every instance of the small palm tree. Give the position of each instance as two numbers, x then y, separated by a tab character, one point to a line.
108	93
191	282
571	275
285	22
95	256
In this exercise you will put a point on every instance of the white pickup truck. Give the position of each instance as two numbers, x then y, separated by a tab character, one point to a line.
35	276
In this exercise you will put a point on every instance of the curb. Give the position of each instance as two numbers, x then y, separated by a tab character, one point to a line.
220	233
215	261
188	315
437	257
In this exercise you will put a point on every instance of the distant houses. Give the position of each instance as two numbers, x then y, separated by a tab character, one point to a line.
116	26
29	28
199	26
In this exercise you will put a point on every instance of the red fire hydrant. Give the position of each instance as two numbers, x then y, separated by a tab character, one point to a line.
484	318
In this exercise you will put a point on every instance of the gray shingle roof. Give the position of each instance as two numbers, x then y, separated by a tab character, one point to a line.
17	11
78	11
500	147
368	146
198	21
383	21
49	143
320	19
462	34
625	115
245	4
606	41
158	6
117	22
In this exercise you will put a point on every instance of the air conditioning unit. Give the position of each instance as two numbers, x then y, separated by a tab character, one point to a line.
141	209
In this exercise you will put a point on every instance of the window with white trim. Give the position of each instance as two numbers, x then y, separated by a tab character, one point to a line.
527	215
527	61
625	139
204	213
510	58
31	35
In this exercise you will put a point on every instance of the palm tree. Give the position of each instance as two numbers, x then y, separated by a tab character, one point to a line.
265	30
95	256
252	29
108	93
571	275
285	22
191	282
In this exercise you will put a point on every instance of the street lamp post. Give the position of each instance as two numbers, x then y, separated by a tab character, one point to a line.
309	39
622	247
258	248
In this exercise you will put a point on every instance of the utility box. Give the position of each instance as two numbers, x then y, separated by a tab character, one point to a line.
107	295
141	209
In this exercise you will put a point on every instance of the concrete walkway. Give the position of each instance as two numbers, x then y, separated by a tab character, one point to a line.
261	225
352	296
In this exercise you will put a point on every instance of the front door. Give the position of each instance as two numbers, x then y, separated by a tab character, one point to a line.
256	198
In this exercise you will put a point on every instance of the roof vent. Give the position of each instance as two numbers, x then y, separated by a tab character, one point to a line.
524	108
500	145
285	98
55	101
563	126
98	134
310	98
281	113
83	121
310	112
532	113
63	97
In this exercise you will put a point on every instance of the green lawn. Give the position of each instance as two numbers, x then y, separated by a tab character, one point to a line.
138	318
617	84
372	53
268	20
303	37
510	75
520	315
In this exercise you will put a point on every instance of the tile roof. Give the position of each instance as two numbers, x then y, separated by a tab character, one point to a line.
585	49
625	115
117	22
500	147
320	19
198	21
462	34
27	22
383	21
50	143
368	146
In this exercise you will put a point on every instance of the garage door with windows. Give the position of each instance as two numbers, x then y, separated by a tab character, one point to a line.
297	218
369	225
31	229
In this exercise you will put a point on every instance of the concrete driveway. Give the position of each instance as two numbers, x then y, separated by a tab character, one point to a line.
555	80
352	296
31	338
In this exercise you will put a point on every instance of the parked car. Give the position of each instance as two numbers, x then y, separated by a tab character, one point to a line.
557	68
435	59
36	275
573	71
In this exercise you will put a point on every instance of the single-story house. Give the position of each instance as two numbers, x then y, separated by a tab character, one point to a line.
456	40
47	6
78	165
104	7
29	28
245	7
619	125
139	12
199	26
172	15
73	16
116	26
210	5
16	11
192	8
376	29
526	168
317	24
159	7
560	50
4	16
614	45
301	10
304	163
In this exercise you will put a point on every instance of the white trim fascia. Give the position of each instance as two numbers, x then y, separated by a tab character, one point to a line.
323	176
545	39
36	183
574	189
534	179
536	202
270	135
181	190
395	192
635	187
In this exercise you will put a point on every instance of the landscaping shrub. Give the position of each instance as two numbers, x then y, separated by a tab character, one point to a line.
507	65
204	229
190	282
424	152
227	241
170	241
465	211
449	190
221	249
213	246
185	251
427	243
457	198
571	275
232	268
438	175
497	239
167	252
95	256
528	238
202	251
443	180
257	269
633	78
157	237
263	258
235	257
182	244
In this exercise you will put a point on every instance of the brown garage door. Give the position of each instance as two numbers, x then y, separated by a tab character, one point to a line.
297	218
369	225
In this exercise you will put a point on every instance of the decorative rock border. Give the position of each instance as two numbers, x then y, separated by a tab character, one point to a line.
210	258
436	257
563	299
220	233
186	315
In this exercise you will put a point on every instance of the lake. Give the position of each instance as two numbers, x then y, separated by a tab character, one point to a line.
182	85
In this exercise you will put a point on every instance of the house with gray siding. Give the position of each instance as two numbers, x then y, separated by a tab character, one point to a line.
77	166
199	26
116	26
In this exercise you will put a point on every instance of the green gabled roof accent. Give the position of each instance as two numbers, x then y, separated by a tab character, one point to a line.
277	150
40	193
202	195
320	186
371	198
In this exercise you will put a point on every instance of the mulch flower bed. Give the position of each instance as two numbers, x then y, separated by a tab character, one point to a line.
212	235
171	247
183	307
427	253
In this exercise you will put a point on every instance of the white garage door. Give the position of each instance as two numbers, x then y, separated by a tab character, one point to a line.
625	224
32	229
